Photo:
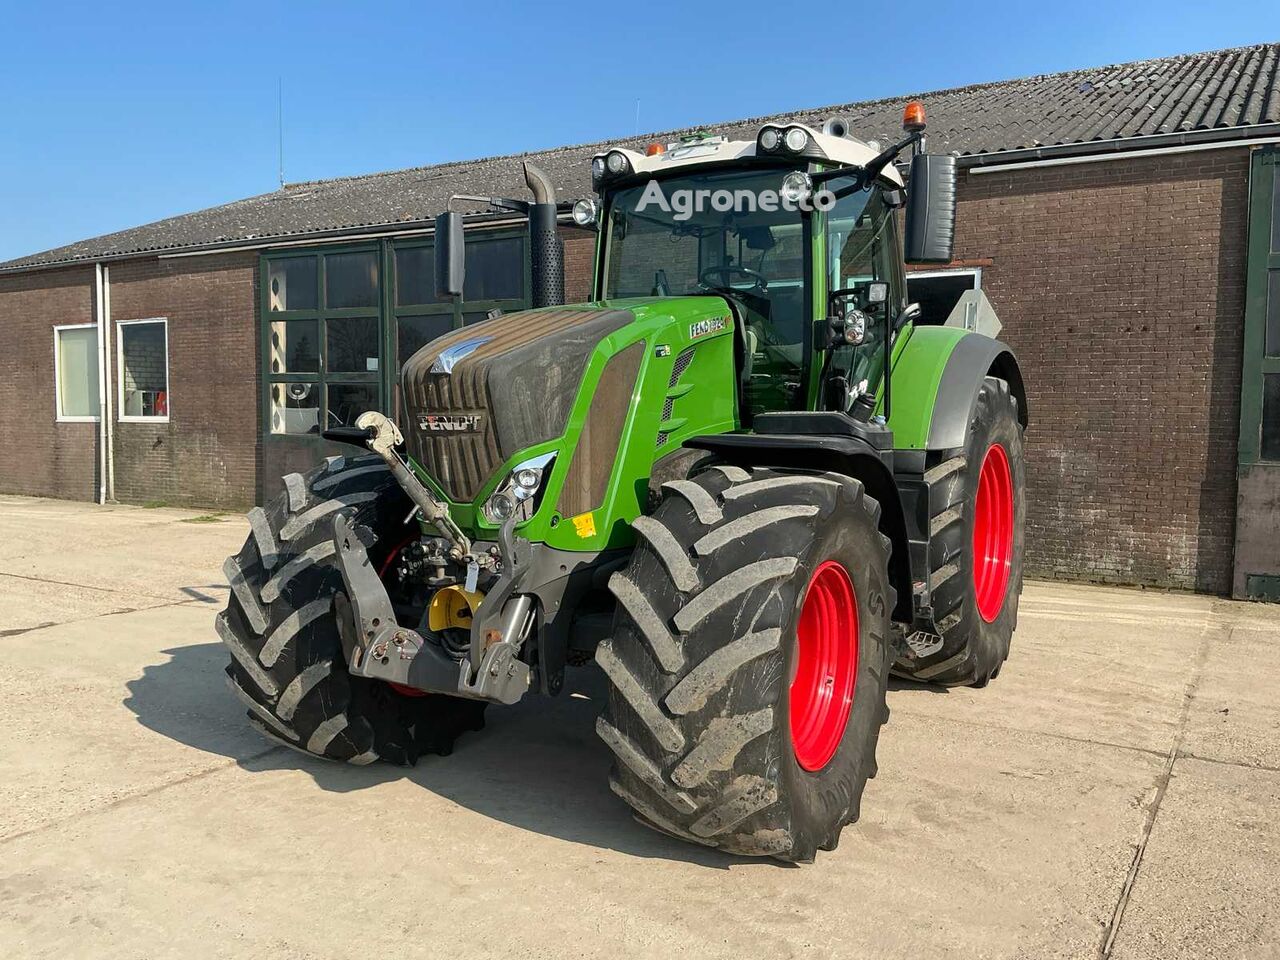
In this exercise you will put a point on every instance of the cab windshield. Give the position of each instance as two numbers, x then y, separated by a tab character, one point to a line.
716	232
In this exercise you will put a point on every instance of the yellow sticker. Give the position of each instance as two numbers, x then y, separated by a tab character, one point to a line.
584	524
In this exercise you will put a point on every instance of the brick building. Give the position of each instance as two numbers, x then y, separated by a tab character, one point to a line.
1125	222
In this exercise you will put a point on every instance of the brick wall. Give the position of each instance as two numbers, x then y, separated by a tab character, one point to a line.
1120	286
42	458
207	454
579	263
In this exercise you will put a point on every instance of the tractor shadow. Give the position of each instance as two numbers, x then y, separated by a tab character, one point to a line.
916	686
537	765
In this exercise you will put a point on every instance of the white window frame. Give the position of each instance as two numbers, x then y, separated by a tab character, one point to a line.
976	272
59	416
120	414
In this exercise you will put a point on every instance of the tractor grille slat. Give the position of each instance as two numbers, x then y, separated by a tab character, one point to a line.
677	371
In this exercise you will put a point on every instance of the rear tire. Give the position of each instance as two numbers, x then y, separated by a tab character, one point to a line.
977	546
281	626
730	572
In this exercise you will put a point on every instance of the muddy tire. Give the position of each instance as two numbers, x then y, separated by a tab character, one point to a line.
978	501
737	582
281	626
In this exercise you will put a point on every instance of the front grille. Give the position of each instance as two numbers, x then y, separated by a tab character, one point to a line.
460	462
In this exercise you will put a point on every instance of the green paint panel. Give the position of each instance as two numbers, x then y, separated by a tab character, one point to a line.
919	358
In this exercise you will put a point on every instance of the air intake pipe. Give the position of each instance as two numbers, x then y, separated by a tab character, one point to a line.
546	251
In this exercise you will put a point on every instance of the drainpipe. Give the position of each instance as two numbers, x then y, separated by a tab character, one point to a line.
103	417
110	418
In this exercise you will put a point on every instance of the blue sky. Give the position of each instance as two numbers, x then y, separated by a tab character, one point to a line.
112	115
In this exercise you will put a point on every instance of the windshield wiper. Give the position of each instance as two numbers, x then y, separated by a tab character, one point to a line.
866	175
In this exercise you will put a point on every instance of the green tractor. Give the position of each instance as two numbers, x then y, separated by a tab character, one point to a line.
744	480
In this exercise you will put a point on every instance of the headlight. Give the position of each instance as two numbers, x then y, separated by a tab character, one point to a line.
769	138
518	492
597	168
616	162
796	186
584	213
796	139
855	327
500	508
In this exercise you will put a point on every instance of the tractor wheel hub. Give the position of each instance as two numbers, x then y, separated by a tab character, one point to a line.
992	533
826	667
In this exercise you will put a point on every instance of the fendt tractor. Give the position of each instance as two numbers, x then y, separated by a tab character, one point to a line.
747	480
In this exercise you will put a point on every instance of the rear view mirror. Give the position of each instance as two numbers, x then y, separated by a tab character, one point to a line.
931	209
450	256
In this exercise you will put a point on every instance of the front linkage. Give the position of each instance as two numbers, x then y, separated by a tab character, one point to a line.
525	588
378	647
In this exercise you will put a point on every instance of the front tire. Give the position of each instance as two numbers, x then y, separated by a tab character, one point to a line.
749	660
281	626
979	508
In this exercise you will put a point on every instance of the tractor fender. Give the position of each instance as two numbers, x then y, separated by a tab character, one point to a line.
851	456
974	358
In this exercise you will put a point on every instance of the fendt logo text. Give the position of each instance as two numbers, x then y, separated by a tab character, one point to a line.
450	422
703	327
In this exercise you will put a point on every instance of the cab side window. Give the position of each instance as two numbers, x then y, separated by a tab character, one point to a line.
862	249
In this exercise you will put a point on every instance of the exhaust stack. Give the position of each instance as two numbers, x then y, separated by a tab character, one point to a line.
546	251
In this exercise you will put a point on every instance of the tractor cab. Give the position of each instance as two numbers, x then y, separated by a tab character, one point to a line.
795	231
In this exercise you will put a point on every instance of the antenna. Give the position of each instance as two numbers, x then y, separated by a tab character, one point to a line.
280	127
637	133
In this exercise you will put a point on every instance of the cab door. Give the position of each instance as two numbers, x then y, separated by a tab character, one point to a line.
862	248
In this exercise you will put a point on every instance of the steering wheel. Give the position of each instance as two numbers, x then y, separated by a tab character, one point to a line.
726	271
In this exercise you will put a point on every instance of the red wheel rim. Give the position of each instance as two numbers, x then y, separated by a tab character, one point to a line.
826	667
993	533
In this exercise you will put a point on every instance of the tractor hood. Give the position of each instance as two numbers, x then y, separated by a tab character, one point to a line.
479	395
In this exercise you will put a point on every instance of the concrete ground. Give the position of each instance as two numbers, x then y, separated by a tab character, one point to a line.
1116	792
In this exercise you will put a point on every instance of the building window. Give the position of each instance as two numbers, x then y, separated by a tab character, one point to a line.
323	345
496	279
75	362
938	291
338	322
495	269
292	285
143	369
351	280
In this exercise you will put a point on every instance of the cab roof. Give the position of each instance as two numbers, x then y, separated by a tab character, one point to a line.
701	151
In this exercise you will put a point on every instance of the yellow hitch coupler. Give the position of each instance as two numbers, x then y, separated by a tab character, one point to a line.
453	606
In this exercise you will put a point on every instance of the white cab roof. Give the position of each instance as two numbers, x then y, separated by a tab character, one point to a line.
843	151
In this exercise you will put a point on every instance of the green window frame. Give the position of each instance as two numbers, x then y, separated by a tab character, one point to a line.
1260	382
301	333
312	379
